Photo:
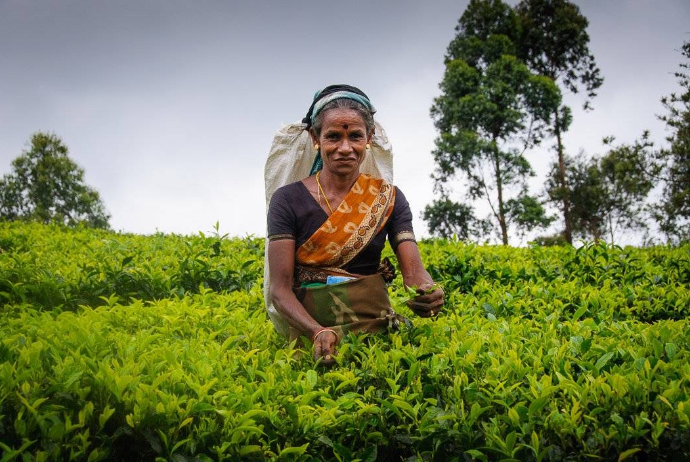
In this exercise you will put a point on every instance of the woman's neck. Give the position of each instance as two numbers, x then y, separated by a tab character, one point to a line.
338	184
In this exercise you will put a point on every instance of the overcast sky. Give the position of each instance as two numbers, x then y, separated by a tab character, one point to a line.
171	106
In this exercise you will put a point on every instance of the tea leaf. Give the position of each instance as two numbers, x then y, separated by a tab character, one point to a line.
671	350
627	454
603	360
105	415
580	311
298	450
537	405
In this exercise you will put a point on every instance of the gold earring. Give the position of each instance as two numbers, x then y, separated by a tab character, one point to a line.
368	146
316	146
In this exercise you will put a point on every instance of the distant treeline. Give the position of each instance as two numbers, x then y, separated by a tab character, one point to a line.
506	71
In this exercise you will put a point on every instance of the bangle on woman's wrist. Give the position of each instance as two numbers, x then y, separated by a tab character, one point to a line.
321	331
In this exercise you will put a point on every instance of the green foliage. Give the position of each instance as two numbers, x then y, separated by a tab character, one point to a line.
549	240
542	354
528	213
554	42
584	193
448	218
45	185
608	194
490	104
673	213
53	267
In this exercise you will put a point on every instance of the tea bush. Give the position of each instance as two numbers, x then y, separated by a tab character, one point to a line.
51	267
124	347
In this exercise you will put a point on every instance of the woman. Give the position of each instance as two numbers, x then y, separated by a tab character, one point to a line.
326	233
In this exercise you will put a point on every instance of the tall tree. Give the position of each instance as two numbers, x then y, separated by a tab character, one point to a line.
584	194
554	42
608	194
673	214
627	173
47	186
491	110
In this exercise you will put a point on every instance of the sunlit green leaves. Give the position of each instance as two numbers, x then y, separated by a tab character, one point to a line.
540	354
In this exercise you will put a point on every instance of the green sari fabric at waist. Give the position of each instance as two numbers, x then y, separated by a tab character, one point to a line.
359	305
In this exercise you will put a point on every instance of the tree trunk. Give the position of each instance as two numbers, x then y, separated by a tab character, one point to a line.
596	235
568	232
499	188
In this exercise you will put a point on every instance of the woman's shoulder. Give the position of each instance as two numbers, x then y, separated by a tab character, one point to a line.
399	195
290	190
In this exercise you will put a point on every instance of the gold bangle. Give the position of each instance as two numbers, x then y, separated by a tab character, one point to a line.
321	331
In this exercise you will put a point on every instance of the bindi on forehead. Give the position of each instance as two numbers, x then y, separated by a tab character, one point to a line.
345	126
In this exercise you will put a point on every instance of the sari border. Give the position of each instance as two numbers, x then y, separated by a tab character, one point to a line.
351	249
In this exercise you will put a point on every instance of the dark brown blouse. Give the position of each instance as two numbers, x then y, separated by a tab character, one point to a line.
294	214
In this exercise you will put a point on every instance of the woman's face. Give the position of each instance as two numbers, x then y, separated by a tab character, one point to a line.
343	141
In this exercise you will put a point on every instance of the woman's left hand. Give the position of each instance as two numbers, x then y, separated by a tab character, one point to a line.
429	302
324	347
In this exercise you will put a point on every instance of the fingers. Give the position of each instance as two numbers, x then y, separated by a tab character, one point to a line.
423	288
324	348
432	300
318	349
436	304
427	305
426	313
430	297
423	313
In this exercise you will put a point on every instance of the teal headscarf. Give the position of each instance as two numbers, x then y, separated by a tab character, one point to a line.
325	96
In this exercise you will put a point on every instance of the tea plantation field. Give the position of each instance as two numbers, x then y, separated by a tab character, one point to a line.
126	347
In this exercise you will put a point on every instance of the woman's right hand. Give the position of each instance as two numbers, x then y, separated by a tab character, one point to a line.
324	347
429	301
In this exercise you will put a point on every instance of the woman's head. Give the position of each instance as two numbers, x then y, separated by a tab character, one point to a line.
344	103
339	97
347	115
343	141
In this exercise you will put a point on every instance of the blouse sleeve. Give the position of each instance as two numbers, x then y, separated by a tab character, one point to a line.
282	223
400	223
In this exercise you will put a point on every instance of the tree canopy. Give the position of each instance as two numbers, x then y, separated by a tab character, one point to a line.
45	185
673	213
607	194
491	110
448	218
554	42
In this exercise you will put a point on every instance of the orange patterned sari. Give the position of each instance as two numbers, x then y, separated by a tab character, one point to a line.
358	219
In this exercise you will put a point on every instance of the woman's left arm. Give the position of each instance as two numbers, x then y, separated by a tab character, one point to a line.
414	274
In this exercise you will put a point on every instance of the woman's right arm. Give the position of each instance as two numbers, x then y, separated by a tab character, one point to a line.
281	265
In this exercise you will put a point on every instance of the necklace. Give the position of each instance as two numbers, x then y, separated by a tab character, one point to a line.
321	192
